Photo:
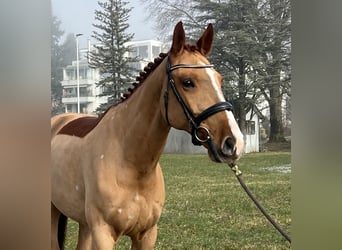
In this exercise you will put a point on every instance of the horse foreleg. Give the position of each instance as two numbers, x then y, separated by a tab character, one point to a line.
147	241
102	234
102	237
54	227
84	238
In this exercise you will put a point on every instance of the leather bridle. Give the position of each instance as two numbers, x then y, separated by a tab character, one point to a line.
197	131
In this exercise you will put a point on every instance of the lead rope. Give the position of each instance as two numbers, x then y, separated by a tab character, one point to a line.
238	174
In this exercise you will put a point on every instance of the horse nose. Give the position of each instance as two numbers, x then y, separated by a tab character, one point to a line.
228	147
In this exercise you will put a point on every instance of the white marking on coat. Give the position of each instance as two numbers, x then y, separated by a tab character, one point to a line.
234	127
211	75
230	117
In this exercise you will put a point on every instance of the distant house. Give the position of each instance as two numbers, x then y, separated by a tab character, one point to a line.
252	137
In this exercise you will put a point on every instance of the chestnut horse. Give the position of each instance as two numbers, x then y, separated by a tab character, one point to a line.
105	172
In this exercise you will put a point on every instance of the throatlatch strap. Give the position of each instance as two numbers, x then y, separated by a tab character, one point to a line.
166	104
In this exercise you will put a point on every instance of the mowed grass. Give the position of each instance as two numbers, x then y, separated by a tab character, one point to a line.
206	208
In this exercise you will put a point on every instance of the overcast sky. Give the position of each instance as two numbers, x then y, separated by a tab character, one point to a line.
77	16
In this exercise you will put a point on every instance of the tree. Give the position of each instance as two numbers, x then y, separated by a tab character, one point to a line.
251	49
110	52
275	36
69	49
56	67
165	12
234	50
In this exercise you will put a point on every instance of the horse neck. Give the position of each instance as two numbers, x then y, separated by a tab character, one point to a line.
137	124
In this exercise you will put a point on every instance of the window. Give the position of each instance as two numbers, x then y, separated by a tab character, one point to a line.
105	90
155	51
136	65
133	52
69	92
83	72
83	91
83	108
90	73
70	74
143	51
250	127
70	108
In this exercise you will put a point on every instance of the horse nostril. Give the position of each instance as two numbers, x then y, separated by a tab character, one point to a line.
228	148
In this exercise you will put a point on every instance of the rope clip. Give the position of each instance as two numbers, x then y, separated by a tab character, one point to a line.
235	169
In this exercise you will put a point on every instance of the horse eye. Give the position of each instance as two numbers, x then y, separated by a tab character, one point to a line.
188	83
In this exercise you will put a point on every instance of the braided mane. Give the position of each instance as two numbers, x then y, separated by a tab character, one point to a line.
143	75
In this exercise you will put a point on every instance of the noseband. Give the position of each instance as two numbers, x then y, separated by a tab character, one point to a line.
197	130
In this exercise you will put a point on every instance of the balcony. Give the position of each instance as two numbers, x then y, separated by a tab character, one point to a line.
73	82
83	99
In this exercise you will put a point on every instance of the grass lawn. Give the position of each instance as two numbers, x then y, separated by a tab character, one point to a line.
206	208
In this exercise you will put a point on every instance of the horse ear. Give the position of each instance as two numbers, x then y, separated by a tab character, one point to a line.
178	40
205	42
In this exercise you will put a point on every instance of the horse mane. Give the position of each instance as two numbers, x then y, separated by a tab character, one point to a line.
80	127
143	75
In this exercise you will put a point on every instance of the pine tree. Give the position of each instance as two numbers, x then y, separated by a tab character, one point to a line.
110	54
69	49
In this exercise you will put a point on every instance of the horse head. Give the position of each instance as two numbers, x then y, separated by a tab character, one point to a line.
193	100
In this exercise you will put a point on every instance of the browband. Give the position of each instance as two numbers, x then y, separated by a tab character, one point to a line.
177	66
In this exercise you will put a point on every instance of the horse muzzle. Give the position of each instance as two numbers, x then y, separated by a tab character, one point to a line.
226	153
228	148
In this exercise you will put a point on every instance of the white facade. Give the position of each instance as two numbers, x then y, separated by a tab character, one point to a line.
145	50
252	133
89	99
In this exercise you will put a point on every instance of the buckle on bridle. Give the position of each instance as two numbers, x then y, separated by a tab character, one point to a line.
201	134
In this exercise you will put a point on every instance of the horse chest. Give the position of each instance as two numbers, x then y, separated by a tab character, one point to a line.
134	214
